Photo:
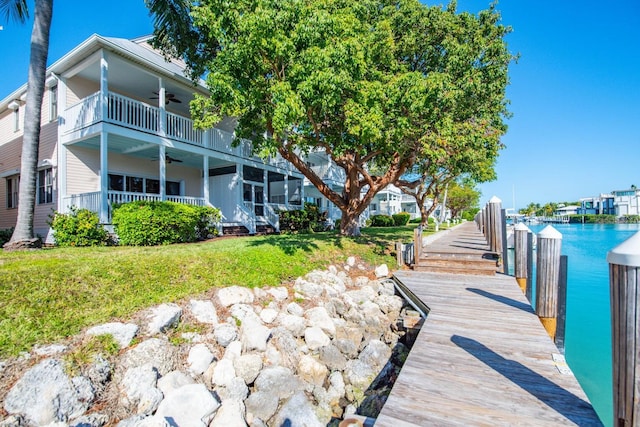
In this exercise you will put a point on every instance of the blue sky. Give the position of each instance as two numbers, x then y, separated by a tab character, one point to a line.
575	91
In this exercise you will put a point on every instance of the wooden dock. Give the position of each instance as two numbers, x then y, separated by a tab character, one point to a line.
482	358
463	250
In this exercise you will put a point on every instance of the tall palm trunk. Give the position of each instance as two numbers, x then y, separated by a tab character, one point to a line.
23	235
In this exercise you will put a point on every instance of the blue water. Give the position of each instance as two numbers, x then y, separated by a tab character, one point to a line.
588	327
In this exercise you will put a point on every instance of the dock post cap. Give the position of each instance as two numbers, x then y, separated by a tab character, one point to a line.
550	233
521	226
494	199
626	253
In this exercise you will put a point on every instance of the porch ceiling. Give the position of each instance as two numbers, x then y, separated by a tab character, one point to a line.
149	152
139	84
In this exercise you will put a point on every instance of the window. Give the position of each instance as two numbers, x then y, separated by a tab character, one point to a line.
53	103
152	186
13	184
253	174
135	184
45	186
116	182
173	188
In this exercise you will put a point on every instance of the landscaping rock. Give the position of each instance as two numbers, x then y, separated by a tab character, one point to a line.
268	315
382	271
295	309
173	380
297	412
261	404
138	392
123	333
295	324
312	371
315	338
191	405
204	312
235	295
230	414
49	350
279	293
91	420
254	334
163	317
333	358
156	352
248	367
278	381
223	372
319	317
225	333
200	357
45	394
235	389
376	354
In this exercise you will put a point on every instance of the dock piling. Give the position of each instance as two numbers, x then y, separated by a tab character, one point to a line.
624	281
547	278
521	272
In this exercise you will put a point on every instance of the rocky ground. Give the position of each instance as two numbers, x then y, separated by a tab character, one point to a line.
304	354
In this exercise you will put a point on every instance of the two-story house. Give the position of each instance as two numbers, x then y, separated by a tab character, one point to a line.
116	127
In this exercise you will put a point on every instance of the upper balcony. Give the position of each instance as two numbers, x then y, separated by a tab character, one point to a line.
132	114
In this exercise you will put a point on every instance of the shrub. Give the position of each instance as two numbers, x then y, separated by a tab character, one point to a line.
80	227
145	223
401	218
5	235
381	221
308	219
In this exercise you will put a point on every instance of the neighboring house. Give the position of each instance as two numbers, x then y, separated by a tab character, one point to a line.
567	210
626	202
601	205
116	128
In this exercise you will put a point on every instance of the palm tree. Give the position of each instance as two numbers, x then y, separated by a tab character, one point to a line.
23	236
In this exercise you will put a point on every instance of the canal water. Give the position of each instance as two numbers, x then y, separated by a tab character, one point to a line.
588	327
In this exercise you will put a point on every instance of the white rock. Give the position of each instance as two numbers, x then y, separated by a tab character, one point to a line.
278	381
319	317
204	311
381	271
173	380
154	351
235	295
312	371
315	338
163	317
223	372
138	392
225	333
45	395
254	334
268	315
48	350
376	354
294	324
279	294
233	351
191	405
235	389
307	288
240	312
123	333
297	412
200	357
295	309
351	261
230	414
248	367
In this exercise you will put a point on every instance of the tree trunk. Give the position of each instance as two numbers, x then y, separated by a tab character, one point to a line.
349	224
23	235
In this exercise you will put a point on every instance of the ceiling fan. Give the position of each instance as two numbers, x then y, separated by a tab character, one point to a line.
168	159
168	97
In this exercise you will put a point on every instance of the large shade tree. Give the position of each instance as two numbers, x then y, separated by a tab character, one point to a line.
366	82
23	234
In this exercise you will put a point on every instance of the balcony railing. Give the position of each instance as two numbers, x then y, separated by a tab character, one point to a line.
133	114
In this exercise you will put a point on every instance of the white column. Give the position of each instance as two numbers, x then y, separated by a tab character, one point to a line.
163	171
104	153
205	179
286	191
62	149
161	105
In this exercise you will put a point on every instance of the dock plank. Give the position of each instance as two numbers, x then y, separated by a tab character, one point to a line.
482	357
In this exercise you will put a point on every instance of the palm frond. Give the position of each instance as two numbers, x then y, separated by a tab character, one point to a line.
14	10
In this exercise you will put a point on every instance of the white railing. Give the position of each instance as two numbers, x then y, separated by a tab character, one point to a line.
89	201
84	113
272	216
247	216
131	113
134	114
187	200
330	172
181	128
126	197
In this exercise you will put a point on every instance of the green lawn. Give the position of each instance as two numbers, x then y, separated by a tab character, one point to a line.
53	293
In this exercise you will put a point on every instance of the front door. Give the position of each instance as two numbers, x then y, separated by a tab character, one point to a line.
253	196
